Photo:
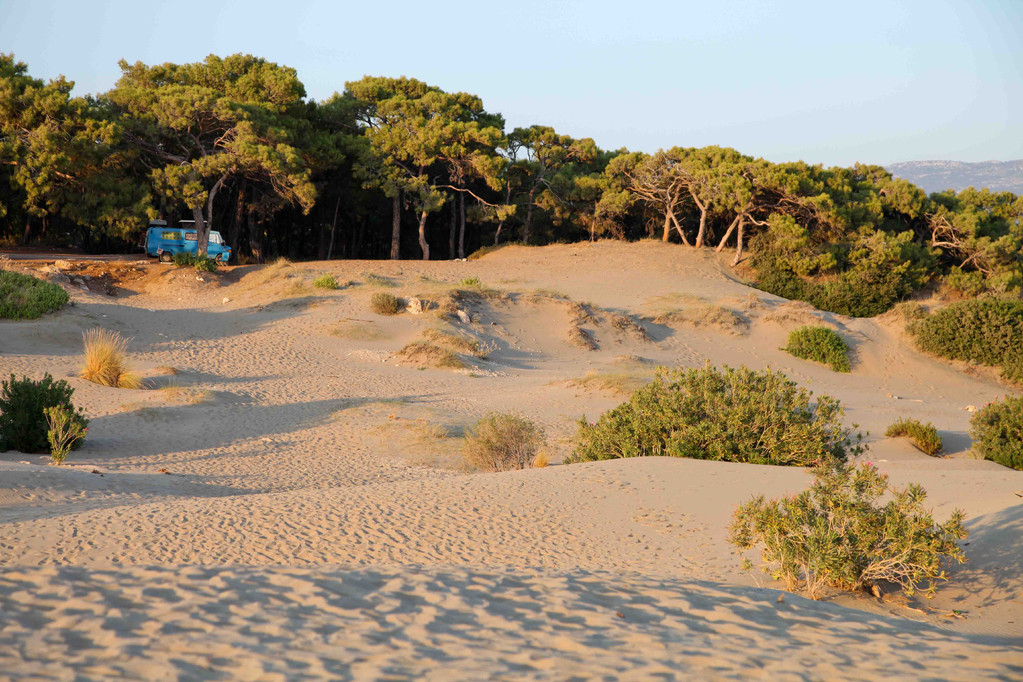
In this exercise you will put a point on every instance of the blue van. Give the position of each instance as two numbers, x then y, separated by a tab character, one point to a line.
163	242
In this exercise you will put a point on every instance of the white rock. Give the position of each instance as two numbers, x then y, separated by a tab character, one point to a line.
414	306
226	299
62	264
463	316
971	408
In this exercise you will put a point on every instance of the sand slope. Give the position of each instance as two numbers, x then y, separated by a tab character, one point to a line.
314	520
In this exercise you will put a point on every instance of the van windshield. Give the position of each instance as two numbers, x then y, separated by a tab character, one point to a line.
215	238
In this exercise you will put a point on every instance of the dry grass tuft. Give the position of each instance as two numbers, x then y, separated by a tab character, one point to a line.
429	355
705	316
542	459
627	324
502	442
796	314
579	337
105	361
619	383
455	342
186	396
386	304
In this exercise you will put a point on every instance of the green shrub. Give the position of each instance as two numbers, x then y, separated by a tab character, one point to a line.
27	298
471	282
23	404
997	431
385	304
821	345
500	442
924	436
734	415
987	330
836	534
202	263
325	282
64	431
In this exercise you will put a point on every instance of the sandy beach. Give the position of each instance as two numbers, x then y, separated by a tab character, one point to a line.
293	505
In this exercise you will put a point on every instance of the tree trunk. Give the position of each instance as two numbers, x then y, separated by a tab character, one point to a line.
461	226
395	225
728	233
703	228
333	228
255	237
239	213
738	246
667	225
452	224
527	228
423	245
28	231
202	231
678	228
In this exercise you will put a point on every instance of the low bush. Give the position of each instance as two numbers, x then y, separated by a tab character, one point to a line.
105	362
734	415
819	344
835	533
924	436
471	282
987	330
997	431
27	298
500	442
385	304
202	263
64	431
23	404
325	282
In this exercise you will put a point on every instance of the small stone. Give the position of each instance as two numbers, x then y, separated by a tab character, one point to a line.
62	264
463	316
199	279
414	305
971	408
226	300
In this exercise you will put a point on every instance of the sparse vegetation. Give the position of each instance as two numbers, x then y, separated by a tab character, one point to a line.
23	405
473	282
186	396
65	430
924	436
501	442
819	344
837	534
355	330
733	415
105	361
202	263
429	355
455	342
373	279
678	310
581	338
613	382
997	431
325	282
27	298
385	304
987	330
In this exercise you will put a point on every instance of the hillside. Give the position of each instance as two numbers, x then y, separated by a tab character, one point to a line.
935	176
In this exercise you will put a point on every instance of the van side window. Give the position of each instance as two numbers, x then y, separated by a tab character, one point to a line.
191	237
175	236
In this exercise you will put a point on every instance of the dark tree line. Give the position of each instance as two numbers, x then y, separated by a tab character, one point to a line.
396	168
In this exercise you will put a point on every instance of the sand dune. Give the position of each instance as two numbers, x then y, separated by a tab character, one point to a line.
314	520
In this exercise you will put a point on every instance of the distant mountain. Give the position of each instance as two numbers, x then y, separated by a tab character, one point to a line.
934	176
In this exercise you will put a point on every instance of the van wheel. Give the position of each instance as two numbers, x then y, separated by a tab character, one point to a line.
219	258
166	257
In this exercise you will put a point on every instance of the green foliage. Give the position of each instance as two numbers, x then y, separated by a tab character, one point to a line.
987	330
500	442
997	431
733	415
385	304
201	263
65	431
26	298
325	282
819	344
471	282
837	534
23	404
923	436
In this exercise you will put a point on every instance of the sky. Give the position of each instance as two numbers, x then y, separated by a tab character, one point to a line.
823	82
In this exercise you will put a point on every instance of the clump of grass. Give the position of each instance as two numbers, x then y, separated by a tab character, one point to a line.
385	304
819	344
325	282
581	338
473	282
924	436
105	361
27	298
357	331
374	279
429	355
266	273
502	442
617	383
704	316
544	295
186	396
793	313
455	342
627	324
